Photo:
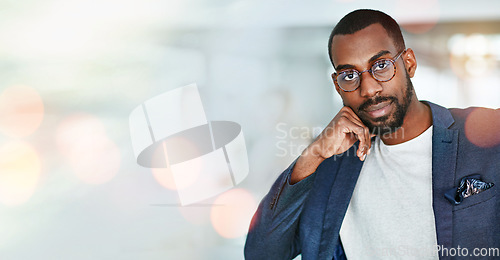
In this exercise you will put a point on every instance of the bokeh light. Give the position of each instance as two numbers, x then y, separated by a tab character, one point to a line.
481	127
20	169
82	139
164	176
471	56
21	111
232	213
166	179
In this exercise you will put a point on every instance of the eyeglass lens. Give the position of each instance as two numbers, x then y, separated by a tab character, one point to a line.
382	70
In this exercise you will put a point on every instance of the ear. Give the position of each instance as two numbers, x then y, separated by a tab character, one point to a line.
410	62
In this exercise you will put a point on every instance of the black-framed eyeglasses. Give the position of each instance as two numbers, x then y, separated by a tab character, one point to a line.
382	70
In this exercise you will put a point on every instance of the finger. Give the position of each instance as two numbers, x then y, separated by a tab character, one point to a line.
361	133
364	138
353	115
365	144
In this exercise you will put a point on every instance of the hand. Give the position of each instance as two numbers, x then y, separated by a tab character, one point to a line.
341	133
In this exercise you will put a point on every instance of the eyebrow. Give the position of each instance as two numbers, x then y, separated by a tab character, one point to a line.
372	59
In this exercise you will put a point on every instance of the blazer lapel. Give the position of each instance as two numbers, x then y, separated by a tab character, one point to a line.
444	158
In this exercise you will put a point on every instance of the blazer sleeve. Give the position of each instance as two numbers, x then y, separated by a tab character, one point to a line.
274	232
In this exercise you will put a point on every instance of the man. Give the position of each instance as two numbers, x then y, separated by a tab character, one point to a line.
390	177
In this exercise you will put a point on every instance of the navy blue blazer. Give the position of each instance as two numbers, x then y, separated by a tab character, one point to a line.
305	218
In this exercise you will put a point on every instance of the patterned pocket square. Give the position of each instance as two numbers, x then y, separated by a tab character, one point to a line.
469	185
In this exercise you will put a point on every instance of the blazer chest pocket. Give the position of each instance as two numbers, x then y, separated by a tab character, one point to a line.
476	199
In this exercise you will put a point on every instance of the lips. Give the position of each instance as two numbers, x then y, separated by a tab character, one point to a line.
379	110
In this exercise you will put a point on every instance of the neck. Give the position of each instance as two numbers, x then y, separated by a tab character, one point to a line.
418	118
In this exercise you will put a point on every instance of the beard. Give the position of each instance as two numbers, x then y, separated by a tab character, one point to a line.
390	123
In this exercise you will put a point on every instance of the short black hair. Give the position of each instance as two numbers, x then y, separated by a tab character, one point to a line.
362	18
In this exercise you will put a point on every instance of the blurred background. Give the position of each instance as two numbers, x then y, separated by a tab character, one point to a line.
72	71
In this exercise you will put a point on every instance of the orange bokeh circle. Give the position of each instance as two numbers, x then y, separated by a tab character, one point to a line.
482	127
232	212
82	139
21	111
20	169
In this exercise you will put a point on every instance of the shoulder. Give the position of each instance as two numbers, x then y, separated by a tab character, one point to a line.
480	125
475	115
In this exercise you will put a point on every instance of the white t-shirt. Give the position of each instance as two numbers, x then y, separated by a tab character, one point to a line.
390	214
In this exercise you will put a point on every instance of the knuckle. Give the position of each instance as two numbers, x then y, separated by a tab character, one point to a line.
343	120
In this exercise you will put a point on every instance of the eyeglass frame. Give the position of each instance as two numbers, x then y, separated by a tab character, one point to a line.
393	61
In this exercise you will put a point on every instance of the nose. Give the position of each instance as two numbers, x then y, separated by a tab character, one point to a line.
369	87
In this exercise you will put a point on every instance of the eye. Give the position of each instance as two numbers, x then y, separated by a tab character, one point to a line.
348	75
381	65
